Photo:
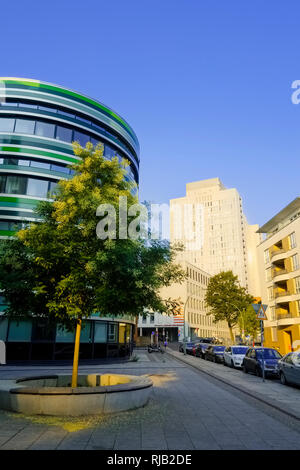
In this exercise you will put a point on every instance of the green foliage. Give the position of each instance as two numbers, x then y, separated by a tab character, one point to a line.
226	298
248	322
62	270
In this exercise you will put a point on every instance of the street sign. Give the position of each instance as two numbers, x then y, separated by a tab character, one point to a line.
260	310
261	315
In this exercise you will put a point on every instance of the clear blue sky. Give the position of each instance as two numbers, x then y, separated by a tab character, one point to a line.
205	84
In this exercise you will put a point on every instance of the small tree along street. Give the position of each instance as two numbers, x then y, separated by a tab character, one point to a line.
227	299
58	268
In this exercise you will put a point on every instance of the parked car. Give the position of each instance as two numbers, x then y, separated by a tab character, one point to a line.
189	347
234	355
200	349
258	357
214	353
289	368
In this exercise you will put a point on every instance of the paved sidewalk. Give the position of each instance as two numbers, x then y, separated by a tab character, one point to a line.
271	391
187	410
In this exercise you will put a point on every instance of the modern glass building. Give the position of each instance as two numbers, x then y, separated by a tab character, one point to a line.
38	123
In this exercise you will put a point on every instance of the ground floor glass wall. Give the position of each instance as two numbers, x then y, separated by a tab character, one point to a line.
38	340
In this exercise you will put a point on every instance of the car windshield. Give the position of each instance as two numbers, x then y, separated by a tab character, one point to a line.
239	350
268	354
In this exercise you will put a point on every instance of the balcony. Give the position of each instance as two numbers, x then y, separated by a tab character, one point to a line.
277	252
282	294
283	316
278	272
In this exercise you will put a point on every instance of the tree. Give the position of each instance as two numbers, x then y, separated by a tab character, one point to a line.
226	299
74	272
248	322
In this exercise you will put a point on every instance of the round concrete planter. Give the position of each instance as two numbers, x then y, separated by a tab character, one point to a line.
95	394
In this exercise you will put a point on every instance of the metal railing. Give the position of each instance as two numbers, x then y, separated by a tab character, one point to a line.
282	294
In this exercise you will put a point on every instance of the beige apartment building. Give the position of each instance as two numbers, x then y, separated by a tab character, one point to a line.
195	320
279	270
210	222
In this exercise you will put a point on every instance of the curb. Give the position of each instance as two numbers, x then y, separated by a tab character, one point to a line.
258	396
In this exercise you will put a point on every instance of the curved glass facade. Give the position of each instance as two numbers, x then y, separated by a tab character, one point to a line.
38	123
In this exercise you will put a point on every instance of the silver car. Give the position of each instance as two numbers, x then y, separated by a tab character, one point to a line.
289	368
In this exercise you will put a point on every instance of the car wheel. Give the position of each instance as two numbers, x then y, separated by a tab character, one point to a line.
225	363
245	370
214	360
231	365
258	372
283	379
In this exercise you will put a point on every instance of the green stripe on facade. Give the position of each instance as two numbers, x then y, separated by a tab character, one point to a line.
7	233
37	152
74	95
18	200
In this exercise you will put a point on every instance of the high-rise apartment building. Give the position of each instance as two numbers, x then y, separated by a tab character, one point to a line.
210	222
279	266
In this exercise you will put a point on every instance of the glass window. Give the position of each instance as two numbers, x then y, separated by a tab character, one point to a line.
64	113
85	336
86	121
2	183
52	187
44	129
4	225
12	104
292	238
37	187
19	331
63	335
24	126
7	125
152	318
295	262
28	105
48	109
63	133
100	335
42	330
112	332
36	164
21	162
3	328
267	256
60	168
81	137
96	141
16	185
109	151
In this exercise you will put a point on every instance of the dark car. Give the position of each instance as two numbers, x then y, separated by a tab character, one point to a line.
214	353
257	358
200	349
289	368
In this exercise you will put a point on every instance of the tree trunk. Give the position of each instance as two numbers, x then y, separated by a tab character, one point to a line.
76	354
231	333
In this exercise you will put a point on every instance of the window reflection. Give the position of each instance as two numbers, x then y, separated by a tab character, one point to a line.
45	129
24	126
